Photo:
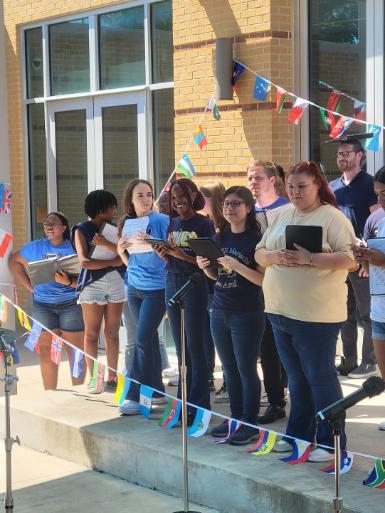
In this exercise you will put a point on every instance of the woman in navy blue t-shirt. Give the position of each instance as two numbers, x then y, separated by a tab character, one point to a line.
186	200
237	313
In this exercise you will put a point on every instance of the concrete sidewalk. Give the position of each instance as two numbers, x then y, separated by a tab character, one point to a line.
47	484
86	429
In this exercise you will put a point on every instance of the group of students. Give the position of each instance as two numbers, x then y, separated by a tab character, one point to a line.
291	301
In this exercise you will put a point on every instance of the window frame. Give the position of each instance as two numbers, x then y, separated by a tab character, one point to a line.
93	93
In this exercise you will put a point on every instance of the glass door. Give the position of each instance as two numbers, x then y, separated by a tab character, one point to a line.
71	157
120	142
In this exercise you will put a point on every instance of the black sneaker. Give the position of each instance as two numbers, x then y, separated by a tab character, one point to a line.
272	413
112	384
221	430
211	385
346	366
244	435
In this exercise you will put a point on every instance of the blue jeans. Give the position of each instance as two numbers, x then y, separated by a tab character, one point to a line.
195	312
308	351
147	309
237	337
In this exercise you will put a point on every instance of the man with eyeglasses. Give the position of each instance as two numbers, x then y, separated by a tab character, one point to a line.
355	197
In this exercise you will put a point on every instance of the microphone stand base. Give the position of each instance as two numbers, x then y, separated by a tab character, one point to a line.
184	511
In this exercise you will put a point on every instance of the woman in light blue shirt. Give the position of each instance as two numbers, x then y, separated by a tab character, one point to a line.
145	284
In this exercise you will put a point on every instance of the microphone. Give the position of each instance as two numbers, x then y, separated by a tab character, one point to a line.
371	387
180	294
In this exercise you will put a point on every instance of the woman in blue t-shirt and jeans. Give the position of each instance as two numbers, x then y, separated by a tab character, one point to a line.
237	314
186	200
145	281
54	303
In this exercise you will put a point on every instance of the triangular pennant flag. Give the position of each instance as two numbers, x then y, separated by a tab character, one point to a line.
122	389
6	208
261	87
145	397
186	167
33	337
232	427
77	363
324	118
238	69
334	100
341	126
15	353
300	454
23	319
376	477
297	110
171	414
280	99
201	423
359	109
3	309
5	241
97	380
56	347
200	137
211	103
346	464
216	113
265	443
374	143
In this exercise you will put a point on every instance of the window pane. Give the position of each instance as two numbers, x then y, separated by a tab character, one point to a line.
70	59
337	61
34	62
161	42
71	163
120	148
37	168
121	48
164	150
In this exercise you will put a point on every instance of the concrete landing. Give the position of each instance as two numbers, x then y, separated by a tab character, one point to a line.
85	429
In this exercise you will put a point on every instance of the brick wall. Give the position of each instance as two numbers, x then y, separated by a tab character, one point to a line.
248	128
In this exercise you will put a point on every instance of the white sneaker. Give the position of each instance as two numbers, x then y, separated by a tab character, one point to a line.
381	425
129	408
93	388
159	400
170	372
319	455
282	446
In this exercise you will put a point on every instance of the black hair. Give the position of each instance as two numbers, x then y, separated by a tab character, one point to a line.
380	175
188	187
245	194
64	220
99	201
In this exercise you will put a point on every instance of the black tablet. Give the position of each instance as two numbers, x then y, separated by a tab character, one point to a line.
309	237
158	242
206	248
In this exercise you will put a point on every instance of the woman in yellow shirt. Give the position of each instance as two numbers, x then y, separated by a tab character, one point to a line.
305	299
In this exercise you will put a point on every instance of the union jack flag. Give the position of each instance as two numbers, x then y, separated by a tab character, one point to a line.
6	203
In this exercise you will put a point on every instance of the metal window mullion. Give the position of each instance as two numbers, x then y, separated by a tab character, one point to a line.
46	61
147	43
94	53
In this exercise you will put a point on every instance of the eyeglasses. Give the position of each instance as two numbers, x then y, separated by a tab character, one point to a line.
344	154
232	204
380	193
52	225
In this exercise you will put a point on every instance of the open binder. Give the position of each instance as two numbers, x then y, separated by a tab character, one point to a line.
43	271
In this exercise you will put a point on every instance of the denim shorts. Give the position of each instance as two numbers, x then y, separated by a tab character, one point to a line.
65	316
109	289
378	330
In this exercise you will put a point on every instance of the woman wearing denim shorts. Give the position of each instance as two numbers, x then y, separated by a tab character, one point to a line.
100	285
54	304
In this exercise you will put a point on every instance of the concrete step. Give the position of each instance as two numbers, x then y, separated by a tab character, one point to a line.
43	483
86	429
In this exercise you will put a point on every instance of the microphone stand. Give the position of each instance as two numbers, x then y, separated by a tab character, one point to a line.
8	380
183	380
337	500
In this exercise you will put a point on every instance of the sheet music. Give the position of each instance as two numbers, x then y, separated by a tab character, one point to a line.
132	230
377	274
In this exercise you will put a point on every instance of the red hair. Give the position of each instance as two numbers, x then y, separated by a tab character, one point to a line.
311	169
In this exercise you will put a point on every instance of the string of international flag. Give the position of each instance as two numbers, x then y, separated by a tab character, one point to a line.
170	417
